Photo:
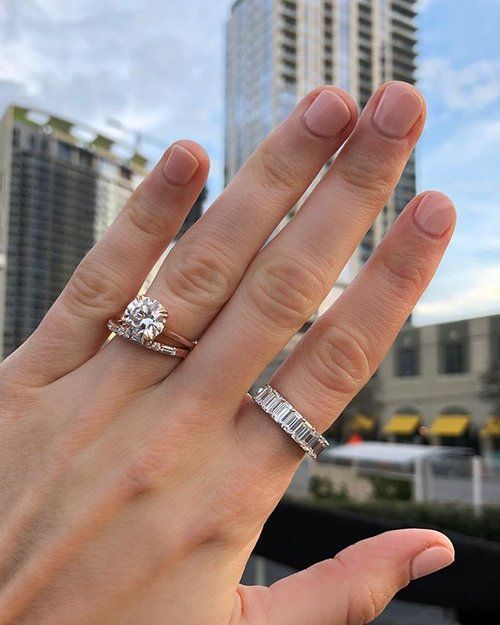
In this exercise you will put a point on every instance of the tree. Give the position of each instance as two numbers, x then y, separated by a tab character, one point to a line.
490	387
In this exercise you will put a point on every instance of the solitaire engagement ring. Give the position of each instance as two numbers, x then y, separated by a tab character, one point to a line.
143	322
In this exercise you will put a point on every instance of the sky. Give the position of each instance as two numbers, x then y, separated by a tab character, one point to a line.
157	67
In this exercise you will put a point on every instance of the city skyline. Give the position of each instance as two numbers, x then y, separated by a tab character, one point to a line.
179	52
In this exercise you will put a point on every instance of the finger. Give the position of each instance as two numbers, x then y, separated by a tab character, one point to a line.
114	270
345	346
294	273
202	271
353	587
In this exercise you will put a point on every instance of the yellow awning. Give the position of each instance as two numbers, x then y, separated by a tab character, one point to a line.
492	427
402	424
449	425
362	423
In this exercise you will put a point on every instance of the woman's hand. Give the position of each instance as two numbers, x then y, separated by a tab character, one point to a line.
133	485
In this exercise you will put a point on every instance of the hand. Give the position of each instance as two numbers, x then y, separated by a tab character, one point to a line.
134	486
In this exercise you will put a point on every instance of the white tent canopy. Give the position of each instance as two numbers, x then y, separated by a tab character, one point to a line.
388	453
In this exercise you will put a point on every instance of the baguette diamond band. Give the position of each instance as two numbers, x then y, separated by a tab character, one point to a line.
291	421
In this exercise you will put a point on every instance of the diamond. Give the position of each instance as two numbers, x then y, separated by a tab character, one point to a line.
145	317
282	410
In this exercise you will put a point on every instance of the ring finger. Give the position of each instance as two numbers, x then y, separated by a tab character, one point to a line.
201	273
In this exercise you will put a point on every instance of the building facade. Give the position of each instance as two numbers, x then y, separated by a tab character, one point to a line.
61	185
278	50
431	383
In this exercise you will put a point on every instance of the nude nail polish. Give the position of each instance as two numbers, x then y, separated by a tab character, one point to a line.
431	560
398	110
327	115
181	166
435	214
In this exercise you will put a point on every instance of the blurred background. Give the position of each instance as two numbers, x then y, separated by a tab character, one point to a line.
92	92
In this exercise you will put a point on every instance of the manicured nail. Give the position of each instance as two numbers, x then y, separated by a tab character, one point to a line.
431	560
435	214
181	166
398	110
327	115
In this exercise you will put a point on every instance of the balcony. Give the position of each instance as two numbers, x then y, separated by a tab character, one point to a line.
404	8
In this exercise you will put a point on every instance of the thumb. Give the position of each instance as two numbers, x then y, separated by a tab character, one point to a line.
356	585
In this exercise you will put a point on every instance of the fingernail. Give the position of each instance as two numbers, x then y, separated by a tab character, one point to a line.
431	560
181	166
435	214
327	115
398	110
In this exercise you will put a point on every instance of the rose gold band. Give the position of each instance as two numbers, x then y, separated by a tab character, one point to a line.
178	338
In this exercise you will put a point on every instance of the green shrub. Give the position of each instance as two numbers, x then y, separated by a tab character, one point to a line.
390	488
445	517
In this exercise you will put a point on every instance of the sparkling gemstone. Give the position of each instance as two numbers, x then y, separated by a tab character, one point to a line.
145	317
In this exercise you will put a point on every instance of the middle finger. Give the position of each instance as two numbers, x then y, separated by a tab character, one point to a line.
294	273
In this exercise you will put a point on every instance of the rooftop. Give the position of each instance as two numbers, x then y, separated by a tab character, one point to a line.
81	135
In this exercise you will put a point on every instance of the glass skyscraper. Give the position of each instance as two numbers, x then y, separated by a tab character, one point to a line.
60	188
278	50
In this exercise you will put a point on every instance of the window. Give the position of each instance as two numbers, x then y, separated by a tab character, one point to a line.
64	151
85	157
16	138
407	354
454	348
495	340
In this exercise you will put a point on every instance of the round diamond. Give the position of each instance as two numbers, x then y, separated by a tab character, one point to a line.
146	318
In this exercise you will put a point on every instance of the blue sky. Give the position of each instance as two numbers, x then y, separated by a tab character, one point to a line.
460	150
158	66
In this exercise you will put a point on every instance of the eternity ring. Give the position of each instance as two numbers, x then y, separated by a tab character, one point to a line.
290	420
144	322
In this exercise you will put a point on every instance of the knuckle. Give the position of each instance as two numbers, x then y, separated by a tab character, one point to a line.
142	474
286	292
366	173
146	216
91	290
406	277
363	604
201	275
275	172
339	360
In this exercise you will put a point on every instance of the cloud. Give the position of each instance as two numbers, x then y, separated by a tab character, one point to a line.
470	88
466	294
155	66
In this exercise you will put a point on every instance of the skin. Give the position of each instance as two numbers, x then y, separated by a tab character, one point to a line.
134	486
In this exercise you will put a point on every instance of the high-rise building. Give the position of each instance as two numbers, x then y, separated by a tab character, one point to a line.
278	50
61	185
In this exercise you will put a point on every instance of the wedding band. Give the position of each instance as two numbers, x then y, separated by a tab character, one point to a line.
144	322
120	330
290	420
